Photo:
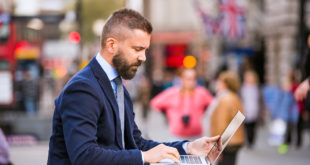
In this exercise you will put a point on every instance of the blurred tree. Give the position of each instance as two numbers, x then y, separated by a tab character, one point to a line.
91	10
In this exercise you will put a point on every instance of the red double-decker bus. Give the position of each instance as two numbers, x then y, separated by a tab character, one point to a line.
19	51
7	60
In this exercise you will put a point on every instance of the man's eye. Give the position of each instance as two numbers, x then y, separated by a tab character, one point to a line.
138	49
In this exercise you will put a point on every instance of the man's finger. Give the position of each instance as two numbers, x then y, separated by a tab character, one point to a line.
219	144
174	152
213	139
172	157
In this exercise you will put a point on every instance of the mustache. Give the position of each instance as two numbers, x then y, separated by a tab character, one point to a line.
138	63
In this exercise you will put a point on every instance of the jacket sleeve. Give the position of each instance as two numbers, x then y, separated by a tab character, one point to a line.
145	145
80	110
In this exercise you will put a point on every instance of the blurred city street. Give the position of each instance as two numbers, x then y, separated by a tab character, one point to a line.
261	154
196	58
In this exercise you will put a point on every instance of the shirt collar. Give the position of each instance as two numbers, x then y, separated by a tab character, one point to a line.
107	68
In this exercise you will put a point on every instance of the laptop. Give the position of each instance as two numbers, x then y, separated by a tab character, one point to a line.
203	160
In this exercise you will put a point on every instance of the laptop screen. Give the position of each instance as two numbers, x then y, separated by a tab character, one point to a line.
226	136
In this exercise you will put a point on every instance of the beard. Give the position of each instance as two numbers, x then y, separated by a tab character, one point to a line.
122	66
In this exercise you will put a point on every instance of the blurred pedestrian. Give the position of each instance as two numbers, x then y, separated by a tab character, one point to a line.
227	104
157	83
250	94
301	113
30	92
287	109
272	93
144	100
168	79
303	89
302	93
284	115
184	106
4	150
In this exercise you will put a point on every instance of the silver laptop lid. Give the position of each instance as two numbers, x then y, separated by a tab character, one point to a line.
229	132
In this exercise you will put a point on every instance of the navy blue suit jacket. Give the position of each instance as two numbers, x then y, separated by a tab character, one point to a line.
86	126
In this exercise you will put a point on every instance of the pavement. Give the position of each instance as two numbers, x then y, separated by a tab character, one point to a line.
156	128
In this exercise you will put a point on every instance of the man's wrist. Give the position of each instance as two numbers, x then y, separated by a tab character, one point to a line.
184	146
189	148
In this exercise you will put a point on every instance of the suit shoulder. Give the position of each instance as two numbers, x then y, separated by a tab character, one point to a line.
83	80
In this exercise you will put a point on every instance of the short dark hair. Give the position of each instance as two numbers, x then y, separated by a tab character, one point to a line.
127	18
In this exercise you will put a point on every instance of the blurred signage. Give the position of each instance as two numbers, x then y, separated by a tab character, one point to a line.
25	51
4	18
6	87
60	49
27	8
52	5
175	55
4	26
37	7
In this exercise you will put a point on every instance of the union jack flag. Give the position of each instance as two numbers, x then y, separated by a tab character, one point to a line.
233	20
211	25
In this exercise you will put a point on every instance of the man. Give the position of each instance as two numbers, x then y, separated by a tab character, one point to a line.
93	121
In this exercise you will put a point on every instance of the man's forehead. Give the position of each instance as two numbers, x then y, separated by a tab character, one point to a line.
138	37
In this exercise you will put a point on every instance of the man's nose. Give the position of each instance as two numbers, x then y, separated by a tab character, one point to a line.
142	57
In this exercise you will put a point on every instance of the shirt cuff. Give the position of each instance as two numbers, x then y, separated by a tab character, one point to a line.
142	157
184	145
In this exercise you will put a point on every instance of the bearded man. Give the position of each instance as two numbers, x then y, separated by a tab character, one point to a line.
93	122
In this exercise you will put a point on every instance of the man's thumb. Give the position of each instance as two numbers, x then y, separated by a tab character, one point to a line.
214	138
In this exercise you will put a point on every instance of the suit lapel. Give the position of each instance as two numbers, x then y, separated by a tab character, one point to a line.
108	91
129	139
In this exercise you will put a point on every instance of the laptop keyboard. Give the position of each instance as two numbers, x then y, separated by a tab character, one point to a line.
190	159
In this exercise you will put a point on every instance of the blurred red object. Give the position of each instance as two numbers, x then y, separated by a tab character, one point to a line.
74	37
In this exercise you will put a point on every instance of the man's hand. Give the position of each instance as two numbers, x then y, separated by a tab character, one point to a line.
215	151
160	152
202	146
302	90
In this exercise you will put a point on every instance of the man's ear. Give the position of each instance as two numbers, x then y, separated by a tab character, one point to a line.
111	45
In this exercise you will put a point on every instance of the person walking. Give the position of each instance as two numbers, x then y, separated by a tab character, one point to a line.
250	95
30	93
4	150
184	105
227	104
